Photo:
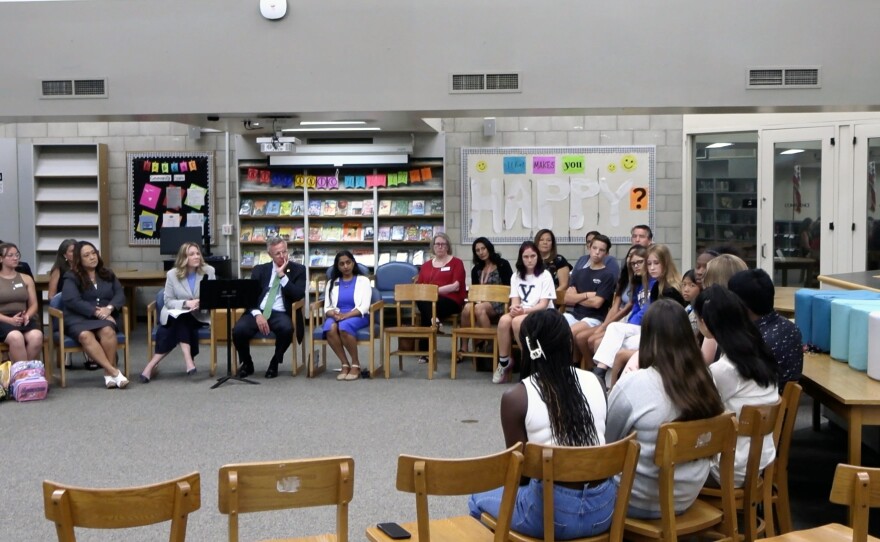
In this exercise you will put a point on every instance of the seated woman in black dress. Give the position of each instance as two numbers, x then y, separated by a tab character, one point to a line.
554	262
489	268
92	299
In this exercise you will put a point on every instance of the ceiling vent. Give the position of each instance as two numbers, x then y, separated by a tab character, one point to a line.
782	77
73	88
487	83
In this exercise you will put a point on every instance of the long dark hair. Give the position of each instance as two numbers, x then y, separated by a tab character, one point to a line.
623	279
81	274
61	264
334	271
546	353
727	319
668	345
638	279
494	257
551	258
521	267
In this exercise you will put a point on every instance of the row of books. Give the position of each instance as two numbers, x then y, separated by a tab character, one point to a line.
322	257
343	231
342	207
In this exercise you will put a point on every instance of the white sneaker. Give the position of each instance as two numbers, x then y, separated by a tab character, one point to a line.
502	374
110	382
120	380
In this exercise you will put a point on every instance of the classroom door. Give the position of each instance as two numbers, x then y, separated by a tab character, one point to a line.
797	200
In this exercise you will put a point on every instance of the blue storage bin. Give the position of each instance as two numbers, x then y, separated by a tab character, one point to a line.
821	314
841	330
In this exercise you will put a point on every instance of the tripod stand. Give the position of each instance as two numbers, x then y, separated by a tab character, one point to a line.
229	294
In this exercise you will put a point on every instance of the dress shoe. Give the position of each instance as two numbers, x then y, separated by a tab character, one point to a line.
246	370
192	371
144	379
272	371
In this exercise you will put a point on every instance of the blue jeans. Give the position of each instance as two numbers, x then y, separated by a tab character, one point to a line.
576	512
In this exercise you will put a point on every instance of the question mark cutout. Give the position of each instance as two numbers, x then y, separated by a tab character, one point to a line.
638	199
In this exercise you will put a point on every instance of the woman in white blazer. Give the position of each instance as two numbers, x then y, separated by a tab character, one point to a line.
180	318
346	309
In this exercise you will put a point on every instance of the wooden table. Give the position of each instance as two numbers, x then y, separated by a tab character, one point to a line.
848	393
808	265
863	280
783	301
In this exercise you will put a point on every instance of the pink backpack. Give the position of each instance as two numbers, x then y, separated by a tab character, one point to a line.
28	381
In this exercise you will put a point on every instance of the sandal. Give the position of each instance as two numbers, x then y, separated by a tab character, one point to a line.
354	372
343	374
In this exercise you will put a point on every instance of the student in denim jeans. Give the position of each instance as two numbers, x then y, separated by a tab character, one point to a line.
559	405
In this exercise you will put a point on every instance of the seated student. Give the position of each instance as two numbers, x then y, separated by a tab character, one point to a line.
592	287
703	260
489	268
610	261
718	271
746	372
556	405
672	384
690	289
781	335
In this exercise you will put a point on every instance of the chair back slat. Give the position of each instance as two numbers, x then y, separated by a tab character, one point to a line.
859	488
415	292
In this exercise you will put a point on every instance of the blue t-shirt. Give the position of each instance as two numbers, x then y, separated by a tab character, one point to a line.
641	301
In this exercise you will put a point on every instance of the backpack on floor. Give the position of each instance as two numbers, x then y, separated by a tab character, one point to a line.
28	381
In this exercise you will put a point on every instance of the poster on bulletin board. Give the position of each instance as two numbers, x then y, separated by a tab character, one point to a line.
168	190
509	193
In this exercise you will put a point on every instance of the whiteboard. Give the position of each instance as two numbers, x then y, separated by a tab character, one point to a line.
509	193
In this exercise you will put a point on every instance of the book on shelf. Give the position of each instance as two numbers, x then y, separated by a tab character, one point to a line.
318	256
418	257
384	207
367	208
273	208
298	256
322	283
286	208
437	206
398	232
315	233
260	207
247	258
417	207
402	256
342	207
271	231
315	207
355	208
263	257
328	208
259	233
364	257
412	233
399	207
352	231
384	233
384	257
369	233
247	233
438	229
285	232
332	232
426	232
247	207
297	208
298	233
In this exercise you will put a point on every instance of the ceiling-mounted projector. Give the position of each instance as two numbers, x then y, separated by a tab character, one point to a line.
275	145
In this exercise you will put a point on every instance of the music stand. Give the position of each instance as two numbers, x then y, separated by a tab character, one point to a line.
228	294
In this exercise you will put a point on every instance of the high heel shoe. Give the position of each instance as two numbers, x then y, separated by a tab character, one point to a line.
144	379
192	371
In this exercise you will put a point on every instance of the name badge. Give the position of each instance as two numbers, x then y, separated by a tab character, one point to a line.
447	268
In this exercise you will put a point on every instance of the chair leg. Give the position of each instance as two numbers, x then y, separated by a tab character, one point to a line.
387	342
455	340
432	353
783	510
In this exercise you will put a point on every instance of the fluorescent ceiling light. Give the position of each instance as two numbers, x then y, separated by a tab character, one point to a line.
718	145
792	151
331	122
332	129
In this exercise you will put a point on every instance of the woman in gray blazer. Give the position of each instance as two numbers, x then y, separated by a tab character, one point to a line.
181	318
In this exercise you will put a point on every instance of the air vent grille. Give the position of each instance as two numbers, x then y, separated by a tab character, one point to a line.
484	83
74	88
782	78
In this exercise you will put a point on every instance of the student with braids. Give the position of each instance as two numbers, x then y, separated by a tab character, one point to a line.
559	405
746	372
672	384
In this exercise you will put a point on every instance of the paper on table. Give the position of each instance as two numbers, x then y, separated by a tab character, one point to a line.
177	312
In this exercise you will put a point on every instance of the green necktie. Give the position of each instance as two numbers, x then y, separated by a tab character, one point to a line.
270	299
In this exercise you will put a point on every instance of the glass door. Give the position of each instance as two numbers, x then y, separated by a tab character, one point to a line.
866	193
797	205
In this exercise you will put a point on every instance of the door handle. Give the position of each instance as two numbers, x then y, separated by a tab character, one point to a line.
764	250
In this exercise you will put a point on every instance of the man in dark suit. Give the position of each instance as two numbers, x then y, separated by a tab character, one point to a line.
283	283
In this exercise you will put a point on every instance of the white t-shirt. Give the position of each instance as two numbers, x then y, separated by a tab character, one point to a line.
538	419
533	289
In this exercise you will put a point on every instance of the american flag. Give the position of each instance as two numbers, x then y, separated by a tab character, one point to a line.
796	188
872	193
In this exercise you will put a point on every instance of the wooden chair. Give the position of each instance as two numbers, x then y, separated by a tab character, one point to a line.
369	335
560	302
4	355
755	422
480	293
282	485
405	297
564	464
853	486
122	508
206	333
425	476
791	397
60	344
218	323
680	442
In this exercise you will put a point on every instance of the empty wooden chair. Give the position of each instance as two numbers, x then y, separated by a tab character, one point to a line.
405	297
853	486
122	508
680	442
480	293
425	476
281	485
791	397
554	464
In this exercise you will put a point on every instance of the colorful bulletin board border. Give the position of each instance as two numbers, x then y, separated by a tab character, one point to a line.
168	189
509	193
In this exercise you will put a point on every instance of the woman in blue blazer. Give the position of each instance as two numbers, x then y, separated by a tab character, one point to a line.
181	318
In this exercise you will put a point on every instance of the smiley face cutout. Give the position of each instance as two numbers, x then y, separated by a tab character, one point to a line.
612	167
482	165
628	162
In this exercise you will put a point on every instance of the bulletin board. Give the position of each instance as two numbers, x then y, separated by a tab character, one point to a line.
168	189
509	193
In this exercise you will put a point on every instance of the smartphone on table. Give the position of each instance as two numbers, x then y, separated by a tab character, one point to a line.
394	531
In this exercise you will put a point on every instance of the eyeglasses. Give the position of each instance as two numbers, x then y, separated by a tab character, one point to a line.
636	262
13	255
441	244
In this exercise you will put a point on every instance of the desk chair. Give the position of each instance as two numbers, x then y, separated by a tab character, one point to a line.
206	333
122	508
391	274
791	396
755	422
853	486
480	293
581	464
406	296
425	476
680	442
281	485
60	344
